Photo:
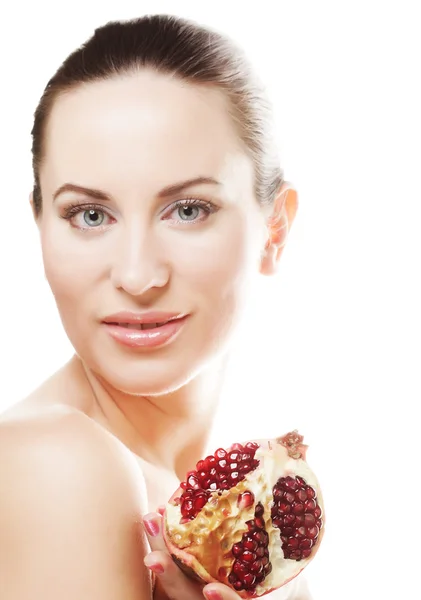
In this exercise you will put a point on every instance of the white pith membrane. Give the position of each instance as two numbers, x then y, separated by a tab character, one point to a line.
216	526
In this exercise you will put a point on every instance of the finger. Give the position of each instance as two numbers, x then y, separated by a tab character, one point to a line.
171	579
153	527
177	585
219	591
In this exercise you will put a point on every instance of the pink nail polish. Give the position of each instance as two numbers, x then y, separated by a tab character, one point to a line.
213	595
151	526
157	568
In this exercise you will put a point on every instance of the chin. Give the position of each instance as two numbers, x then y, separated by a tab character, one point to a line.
155	372
146	376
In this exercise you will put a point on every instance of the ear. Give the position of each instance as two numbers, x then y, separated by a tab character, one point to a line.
279	223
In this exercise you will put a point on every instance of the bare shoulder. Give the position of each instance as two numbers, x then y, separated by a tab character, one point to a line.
63	441
71	503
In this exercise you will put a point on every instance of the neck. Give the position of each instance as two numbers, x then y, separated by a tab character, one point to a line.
170	431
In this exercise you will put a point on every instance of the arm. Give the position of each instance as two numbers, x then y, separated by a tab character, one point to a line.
71	501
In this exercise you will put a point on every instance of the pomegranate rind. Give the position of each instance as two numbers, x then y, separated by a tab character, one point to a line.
202	547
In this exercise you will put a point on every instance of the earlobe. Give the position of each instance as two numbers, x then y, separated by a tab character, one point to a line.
279	224
269	260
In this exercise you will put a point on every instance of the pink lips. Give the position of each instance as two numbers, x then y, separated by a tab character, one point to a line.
160	328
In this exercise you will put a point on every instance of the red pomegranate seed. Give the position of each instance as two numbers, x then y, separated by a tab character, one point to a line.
296	513
249	580
237	446
210	462
284	508
310	505
278	493
289	520
251	564
298	508
311	493
256	567
250	545
199	502
302	495
219	472
260	522
289	497
309	520
289	483
252	446
313	532
192	481
248	556
245	499
240	569
299	520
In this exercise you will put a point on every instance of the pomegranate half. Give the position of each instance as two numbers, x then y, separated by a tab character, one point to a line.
250	516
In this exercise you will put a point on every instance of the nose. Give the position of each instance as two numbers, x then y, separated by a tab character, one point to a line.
138	265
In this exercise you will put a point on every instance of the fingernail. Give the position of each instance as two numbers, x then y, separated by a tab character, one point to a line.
151	526
161	509
213	595
156	568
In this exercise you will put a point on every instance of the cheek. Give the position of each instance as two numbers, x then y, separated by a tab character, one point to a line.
218	265
67	265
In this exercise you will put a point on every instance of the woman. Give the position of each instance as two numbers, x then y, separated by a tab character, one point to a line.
158	197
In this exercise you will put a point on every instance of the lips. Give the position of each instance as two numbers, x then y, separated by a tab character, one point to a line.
146	331
141	326
146	320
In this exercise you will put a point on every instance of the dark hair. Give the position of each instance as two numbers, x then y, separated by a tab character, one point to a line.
181	48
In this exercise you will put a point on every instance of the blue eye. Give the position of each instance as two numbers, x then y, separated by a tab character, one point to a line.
97	216
93	215
188	213
190	209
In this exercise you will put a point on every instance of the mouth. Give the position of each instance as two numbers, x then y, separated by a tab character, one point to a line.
146	335
141	326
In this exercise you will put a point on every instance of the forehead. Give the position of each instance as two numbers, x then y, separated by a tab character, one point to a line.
141	125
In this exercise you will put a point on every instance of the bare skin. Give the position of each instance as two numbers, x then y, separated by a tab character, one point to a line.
109	436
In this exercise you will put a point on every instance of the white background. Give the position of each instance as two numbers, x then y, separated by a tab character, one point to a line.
332	345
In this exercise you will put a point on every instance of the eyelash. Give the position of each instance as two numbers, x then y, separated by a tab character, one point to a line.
73	209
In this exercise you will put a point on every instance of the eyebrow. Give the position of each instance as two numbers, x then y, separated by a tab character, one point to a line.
166	192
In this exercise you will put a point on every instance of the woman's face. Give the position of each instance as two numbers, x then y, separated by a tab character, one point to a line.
136	247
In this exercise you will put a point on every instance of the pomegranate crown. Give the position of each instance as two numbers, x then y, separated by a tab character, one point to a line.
293	442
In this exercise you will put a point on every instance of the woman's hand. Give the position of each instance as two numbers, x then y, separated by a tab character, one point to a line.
171	581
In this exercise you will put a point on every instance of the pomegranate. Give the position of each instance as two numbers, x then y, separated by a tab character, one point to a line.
250	516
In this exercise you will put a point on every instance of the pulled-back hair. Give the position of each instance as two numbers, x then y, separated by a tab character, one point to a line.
183	49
